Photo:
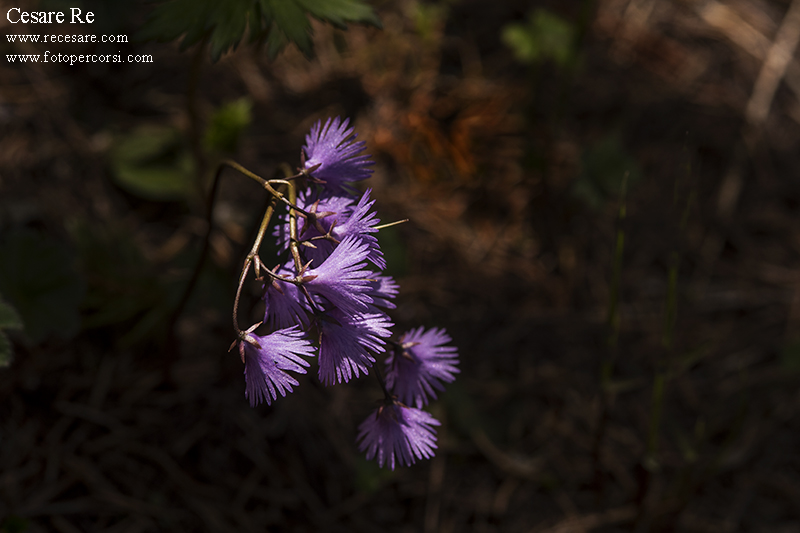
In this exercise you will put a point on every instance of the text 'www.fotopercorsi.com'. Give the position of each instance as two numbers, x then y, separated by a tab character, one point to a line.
16	15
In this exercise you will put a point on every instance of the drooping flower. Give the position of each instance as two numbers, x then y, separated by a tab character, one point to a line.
361	223
340	280
419	365
267	360
344	341
398	435
328	211
285	305
382	289
336	217
333	150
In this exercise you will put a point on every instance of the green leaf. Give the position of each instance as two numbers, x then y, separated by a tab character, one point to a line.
224	24
227	124
339	12
152	163
545	36
9	318
38	276
605	165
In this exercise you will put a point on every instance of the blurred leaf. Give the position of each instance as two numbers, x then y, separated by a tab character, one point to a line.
227	124
38	277
224	24
545	36
428	18
604	167
125	289
9	318
121	282
152	163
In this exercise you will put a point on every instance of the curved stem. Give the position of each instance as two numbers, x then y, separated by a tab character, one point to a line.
242	277
292	203
251	258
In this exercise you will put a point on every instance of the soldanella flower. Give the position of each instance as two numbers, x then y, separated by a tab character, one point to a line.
267	360
382	289
330	221
340	279
346	342
420	363
361	224
285	306
398	435
332	155
329	287
327	212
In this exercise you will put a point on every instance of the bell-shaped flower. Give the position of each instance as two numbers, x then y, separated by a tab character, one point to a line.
267	360
382	289
340	278
419	365
398	435
327	211
344	343
361	223
285	305
332	155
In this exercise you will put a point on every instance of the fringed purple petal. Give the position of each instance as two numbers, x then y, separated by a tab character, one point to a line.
398	435
344	341
416	369
265	365
340	279
382	290
332	148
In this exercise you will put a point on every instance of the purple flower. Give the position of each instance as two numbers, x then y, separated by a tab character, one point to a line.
330	210
361	223
266	363
344	341
382	288
339	278
420	364
332	148
334	215
285	304
398	434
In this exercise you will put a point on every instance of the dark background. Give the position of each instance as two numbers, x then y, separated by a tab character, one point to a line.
660	398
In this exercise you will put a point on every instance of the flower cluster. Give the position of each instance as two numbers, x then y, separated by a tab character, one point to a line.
329	298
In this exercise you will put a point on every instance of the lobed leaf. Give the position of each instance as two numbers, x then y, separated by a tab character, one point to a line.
275	22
